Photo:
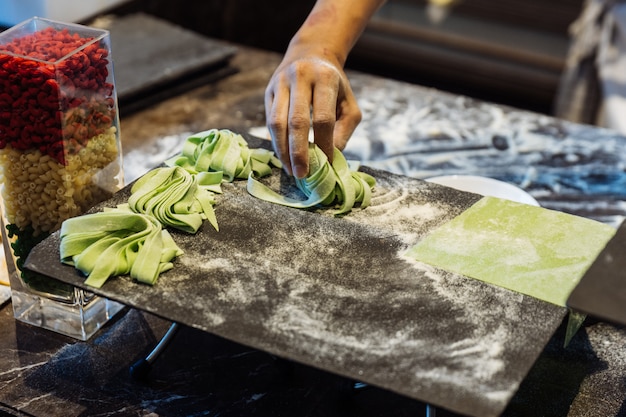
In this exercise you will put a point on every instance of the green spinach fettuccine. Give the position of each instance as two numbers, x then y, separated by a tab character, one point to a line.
117	242
131	239
176	198
327	184
226	153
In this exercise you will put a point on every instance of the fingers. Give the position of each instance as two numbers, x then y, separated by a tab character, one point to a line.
309	93
336	114
299	122
288	115
348	118
324	115
276	113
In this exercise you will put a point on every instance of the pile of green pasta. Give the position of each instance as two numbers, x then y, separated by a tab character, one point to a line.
133	239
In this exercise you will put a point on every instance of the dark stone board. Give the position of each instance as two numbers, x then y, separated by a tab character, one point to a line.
339	295
601	292
153	57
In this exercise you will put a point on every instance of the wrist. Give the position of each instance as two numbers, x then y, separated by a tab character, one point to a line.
308	44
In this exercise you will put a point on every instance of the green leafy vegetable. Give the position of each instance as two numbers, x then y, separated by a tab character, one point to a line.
23	240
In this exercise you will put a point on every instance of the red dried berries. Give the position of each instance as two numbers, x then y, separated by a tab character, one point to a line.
54	92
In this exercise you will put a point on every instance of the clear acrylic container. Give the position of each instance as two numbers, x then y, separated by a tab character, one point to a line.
60	154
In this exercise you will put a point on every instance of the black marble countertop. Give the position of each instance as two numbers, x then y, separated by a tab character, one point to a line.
407	130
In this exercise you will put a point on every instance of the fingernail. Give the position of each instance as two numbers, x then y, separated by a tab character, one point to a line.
300	171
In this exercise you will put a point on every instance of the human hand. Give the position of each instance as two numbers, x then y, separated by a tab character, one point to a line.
309	89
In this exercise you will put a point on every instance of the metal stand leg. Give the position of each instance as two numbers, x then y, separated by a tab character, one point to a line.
140	369
359	386
356	386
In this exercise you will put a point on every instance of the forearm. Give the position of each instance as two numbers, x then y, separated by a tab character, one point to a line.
310	88
333	27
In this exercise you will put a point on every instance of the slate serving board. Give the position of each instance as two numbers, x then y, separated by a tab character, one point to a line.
339	294
154	58
601	292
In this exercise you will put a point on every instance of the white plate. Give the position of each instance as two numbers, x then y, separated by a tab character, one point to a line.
485	186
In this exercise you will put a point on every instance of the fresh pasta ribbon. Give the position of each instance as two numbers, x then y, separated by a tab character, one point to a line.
327	184
131	238
176	198
117	242
223	151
